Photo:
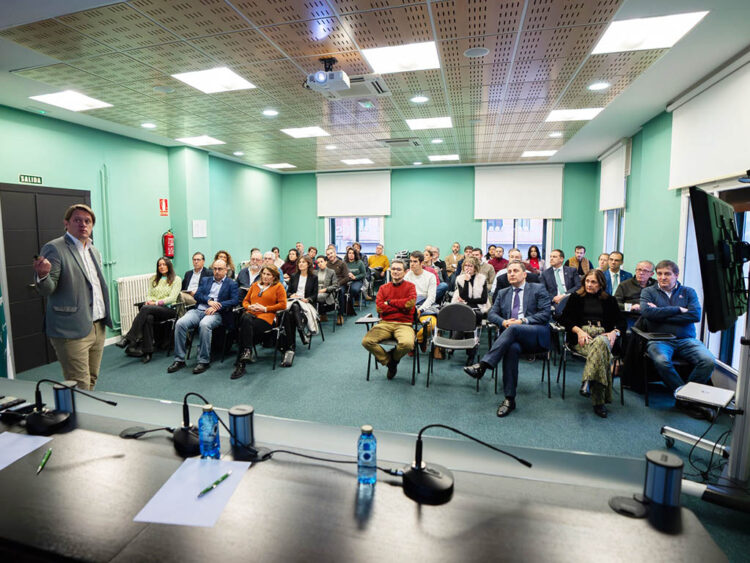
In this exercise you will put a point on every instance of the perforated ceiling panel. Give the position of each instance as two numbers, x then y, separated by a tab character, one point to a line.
539	59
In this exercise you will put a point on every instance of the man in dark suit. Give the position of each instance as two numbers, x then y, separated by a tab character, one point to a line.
614	275
69	274
522	313
501	281
215	298
193	277
559	280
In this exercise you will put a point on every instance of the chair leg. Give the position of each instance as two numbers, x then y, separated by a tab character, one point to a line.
564	362
619	376
496	377
369	359
429	363
414	361
645	379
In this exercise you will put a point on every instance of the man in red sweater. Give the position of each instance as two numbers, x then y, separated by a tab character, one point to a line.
395	304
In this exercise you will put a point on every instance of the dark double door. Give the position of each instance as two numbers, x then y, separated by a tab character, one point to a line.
31	217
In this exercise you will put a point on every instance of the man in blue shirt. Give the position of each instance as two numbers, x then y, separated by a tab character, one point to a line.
671	307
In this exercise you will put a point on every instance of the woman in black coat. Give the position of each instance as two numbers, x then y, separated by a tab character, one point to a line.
299	292
593	322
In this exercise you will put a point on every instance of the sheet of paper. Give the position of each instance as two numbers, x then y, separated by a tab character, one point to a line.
200	228
14	446
177	501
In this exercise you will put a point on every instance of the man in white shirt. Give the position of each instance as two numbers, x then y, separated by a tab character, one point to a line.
426	285
615	275
559	280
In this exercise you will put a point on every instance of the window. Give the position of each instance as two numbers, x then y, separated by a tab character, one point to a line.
518	233
614	230
343	231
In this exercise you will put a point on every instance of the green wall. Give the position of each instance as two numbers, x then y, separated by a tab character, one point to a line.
580	202
300	221
652	213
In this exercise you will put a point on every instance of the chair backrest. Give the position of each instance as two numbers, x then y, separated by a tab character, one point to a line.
457	317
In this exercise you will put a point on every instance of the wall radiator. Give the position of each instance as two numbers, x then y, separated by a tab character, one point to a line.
131	290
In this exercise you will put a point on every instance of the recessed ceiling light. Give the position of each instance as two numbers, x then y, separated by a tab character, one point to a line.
200	141
573	114
303	132
430	123
555	134
148	125
596	86
646	33
280	165
476	52
214	80
331	147
532	154
419	99
353	161
270	112
436	141
72	100
417	163
439	157
238	153
403	58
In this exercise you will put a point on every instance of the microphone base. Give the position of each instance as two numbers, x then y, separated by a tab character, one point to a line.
429	484
241	454
46	423
186	441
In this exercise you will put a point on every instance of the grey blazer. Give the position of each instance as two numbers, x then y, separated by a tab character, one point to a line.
68	290
330	284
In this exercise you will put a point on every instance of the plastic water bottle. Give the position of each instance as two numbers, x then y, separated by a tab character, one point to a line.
208	433
366	456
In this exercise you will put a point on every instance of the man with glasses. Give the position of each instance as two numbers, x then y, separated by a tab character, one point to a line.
250	273
628	293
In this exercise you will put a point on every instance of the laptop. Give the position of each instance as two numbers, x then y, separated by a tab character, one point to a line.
704	394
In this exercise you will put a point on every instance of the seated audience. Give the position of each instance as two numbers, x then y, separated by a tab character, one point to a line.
497	261
358	247
614	275
342	277
534	260
484	268
628	293
302	294
560	281
264	299
521	313
357	273
300	248
501	280
490	253
249	274
438	263
395	305
378	264
215	298
670	307
579	261
277	261
427	264
163	290
269	259
451	261
227	258
426	287
328	286
193	277
603	261
471	289
312	252
593	322
289	268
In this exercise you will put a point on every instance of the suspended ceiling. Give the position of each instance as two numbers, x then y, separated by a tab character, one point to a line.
539	60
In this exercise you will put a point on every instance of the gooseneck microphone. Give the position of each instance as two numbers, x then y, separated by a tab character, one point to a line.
45	422
185	438
432	483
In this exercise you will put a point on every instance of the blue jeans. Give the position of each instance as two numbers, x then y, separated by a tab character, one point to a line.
688	349
440	291
206	324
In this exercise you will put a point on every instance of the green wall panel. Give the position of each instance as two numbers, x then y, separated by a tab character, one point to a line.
301	221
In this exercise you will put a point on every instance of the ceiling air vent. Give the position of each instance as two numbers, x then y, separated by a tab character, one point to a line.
368	85
406	142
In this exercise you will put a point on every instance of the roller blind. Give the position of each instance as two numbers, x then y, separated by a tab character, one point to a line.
612	180
354	194
522	192
710	133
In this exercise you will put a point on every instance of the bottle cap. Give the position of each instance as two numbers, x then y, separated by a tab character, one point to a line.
366	429
208	407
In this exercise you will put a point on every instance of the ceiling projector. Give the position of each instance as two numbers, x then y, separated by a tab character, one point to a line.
327	81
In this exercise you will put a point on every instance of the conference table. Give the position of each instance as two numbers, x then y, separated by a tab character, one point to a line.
82	505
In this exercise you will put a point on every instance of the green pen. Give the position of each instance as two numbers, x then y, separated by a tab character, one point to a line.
212	486
44	461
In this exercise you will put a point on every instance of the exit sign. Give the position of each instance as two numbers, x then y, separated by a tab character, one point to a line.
25	179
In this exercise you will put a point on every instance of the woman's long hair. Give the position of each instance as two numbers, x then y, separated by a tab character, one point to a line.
170	271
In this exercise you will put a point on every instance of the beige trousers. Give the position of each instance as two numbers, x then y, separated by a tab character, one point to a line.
80	358
401	332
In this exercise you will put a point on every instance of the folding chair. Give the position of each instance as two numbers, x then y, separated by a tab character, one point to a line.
454	319
545	356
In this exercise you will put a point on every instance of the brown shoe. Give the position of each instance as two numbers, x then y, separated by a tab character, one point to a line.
438	354
323	318
340	320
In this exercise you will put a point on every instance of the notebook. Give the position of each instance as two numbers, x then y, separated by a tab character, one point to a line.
704	394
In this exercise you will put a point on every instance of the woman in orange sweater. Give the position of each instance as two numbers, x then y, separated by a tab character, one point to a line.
263	300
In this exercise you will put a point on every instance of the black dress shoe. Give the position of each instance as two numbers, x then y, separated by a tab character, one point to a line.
600	410
507	407
176	365
392	369
134	352
476	371
146	358
200	368
238	372
122	343
585	389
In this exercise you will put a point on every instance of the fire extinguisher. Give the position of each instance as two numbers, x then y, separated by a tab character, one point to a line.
167	240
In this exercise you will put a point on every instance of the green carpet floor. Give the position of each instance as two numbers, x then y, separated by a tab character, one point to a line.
327	384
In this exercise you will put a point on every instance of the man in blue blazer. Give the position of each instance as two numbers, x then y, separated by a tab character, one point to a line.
560	281
215	298
614	275
522	313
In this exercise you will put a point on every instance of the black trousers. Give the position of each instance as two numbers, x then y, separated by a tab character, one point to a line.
143	325
253	329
